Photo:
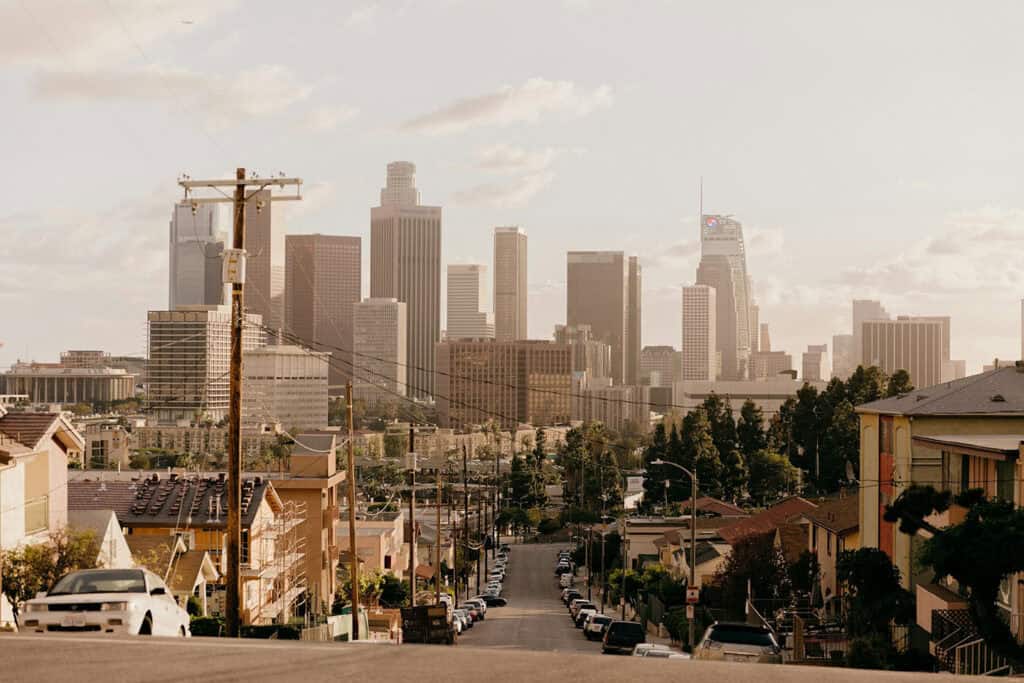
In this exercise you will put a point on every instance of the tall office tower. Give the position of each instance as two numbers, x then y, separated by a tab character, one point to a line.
189	355
660	366
633	321
323	278
405	263
755	328
379	337
277	279
864	309
598	295
700	330
765	339
195	248
467	292
844	362
259	240
723	265
919	345
524	382
510	284
285	385
814	366
590	357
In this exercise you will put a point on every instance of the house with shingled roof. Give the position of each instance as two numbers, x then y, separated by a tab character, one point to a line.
193	507
953	436
832	527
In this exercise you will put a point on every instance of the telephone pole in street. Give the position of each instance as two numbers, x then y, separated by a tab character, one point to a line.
234	274
353	571
412	516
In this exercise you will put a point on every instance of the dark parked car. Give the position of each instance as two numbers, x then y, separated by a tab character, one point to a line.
492	600
571	595
622	636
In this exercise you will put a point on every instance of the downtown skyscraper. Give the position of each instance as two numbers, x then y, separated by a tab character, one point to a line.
467	292
723	266
603	291
323	279
259	241
405	264
196	245
510	293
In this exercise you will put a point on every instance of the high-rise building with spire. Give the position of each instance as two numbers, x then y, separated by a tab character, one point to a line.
405	264
723	266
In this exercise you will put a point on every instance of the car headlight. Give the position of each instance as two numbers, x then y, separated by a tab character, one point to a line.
36	607
114	607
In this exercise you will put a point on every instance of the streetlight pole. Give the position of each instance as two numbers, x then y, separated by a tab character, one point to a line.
693	532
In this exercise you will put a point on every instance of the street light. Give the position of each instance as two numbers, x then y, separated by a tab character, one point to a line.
693	531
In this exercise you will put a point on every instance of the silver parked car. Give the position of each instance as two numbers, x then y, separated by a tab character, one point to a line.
739	642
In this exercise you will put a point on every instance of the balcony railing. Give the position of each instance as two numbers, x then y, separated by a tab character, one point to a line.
37	514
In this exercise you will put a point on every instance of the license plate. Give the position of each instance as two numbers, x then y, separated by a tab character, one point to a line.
73	620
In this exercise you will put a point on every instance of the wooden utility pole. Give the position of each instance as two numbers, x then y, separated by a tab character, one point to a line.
465	510
412	516
353	571
234	273
494	503
437	543
481	552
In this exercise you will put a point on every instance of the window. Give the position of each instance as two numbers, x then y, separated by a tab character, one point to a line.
245	546
387	562
1004	481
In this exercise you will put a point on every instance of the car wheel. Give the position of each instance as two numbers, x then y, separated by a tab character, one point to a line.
146	629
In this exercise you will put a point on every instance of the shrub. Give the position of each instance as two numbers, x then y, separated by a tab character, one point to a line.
548	525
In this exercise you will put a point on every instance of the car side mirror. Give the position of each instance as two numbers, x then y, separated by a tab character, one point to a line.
40	595
158	591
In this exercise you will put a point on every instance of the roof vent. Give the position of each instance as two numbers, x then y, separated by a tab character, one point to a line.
998	398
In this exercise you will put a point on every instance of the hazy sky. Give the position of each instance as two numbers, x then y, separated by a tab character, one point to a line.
871	149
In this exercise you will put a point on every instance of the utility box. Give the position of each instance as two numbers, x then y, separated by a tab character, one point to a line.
234	266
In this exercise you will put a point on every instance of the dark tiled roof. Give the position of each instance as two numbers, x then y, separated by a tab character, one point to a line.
838	516
167	502
27	428
997	392
767	521
705	553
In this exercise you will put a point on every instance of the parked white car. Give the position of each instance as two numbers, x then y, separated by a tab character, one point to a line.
123	601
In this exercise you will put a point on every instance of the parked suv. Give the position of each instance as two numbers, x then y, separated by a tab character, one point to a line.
622	636
739	642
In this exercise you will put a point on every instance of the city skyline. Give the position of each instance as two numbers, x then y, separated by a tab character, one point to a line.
509	140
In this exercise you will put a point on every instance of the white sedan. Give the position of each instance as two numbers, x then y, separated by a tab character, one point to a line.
123	601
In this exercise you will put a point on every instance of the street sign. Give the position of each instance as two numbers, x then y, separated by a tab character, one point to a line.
692	596
689	612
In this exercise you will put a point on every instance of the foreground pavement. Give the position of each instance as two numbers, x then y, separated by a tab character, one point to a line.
95	658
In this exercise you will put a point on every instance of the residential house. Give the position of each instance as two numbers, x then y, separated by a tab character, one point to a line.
188	573
314	486
379	541
53	442
112	548
194	508
954	436
834	526
767	521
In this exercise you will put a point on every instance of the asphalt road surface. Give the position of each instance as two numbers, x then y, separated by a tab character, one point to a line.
535	618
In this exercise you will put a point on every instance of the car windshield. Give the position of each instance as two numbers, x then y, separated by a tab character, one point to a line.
601	620
742	635
101	581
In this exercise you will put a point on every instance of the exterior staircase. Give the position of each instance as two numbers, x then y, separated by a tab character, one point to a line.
960	650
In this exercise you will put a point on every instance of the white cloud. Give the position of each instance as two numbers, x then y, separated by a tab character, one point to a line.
219	100
324	119
504	158
363	18
514	193
525	103
88	34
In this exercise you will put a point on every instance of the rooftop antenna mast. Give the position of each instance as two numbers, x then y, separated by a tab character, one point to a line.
234	274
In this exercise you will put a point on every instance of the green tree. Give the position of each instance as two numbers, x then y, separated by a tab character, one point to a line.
874	596
899	383
654	475
395	445
757	562
979	553
780	430
806	427
750	432
866	385
771	475
35	567
700	454
735	476
721	422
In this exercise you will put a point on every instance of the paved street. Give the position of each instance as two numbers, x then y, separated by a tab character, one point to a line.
535	618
